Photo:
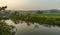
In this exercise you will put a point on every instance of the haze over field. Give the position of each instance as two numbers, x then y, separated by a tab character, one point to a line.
31	4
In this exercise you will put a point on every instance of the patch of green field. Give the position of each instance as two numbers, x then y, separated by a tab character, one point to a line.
47	15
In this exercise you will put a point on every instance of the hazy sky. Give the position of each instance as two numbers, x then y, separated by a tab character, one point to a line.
31	4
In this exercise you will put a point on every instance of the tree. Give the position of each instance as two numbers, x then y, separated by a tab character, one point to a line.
53	11
3	8
39	11
4	27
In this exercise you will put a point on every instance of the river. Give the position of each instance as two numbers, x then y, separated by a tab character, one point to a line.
34	29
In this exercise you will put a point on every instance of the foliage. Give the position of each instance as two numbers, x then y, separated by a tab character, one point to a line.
37	18
39	12
4	27
3	8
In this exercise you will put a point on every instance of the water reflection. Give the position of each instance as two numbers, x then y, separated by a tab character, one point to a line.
32	28
46	24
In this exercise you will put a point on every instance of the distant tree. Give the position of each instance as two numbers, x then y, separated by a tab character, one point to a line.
16	12
39	12
53	11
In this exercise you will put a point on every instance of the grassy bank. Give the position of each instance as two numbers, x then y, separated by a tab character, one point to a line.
37	18
19	16
42	19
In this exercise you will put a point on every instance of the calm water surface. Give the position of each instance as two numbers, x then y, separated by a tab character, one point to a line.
34	29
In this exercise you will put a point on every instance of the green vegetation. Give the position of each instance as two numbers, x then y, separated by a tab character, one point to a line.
4	27
3	8
39	12
27	16
51	19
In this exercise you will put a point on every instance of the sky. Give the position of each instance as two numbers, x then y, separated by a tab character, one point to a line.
31	4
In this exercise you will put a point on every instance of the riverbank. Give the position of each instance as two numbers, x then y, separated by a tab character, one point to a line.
51	19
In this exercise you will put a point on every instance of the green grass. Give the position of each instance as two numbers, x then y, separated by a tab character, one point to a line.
47	15
14	16
54	16
50	19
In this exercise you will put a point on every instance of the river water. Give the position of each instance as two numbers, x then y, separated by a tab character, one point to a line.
34	29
